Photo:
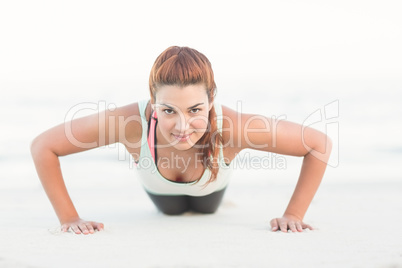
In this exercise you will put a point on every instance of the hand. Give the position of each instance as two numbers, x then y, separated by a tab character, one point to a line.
288	222
81	226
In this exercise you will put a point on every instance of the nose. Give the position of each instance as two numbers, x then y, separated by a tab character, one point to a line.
182	124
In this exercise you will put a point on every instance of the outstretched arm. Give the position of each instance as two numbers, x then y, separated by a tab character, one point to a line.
45	150
278	136
311	174
73	137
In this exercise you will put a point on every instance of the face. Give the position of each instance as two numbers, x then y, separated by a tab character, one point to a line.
182	115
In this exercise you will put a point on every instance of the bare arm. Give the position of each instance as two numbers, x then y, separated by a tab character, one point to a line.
312	171
72	137
283	137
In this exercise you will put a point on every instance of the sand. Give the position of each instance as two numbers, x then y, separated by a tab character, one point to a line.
357	225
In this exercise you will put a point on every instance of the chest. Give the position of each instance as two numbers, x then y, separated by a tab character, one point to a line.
179	168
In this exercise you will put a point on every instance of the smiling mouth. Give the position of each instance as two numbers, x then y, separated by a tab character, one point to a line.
182	138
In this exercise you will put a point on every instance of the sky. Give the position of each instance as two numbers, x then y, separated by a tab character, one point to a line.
270	38
277	57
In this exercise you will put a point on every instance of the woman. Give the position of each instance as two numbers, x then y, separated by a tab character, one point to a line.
183	143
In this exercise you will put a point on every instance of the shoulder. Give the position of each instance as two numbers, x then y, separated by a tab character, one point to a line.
238	127
132	113
128	122
230	125
234	121
271	134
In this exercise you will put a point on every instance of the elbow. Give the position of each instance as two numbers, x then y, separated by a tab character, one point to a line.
34	147
323	143
329	144
322	147
37	147
327	148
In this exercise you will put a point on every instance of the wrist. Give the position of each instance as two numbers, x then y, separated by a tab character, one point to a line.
68	219
292	216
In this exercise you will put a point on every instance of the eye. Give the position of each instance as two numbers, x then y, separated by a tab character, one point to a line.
168	111
196	110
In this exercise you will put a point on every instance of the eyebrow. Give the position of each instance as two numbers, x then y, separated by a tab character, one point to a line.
191	107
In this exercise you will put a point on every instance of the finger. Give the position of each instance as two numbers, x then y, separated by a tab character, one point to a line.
274	225
64	228
284	226
98	226
90	228
83	228
292	226
306	226
309	227
299	227
75	229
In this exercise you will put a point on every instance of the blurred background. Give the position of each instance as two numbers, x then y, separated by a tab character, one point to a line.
334	65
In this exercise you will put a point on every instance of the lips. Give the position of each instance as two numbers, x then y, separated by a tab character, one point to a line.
182	137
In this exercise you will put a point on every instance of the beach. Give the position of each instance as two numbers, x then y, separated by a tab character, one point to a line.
331	66
356	226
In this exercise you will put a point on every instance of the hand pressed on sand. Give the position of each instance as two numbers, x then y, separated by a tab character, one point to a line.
82	226
288	222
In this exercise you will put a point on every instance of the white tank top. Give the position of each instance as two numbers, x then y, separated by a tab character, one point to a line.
155	183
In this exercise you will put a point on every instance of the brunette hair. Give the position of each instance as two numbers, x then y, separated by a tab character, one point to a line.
183	66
